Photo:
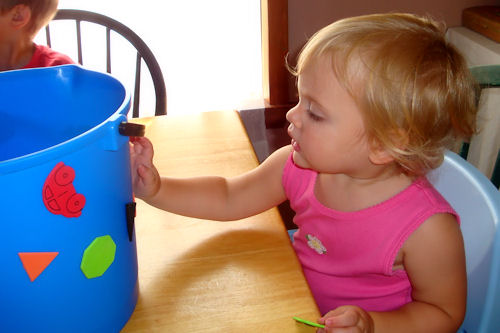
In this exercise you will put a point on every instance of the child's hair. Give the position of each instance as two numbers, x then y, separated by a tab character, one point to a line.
414	89
42	11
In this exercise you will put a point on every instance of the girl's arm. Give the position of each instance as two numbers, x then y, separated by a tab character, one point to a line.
209	197
434	260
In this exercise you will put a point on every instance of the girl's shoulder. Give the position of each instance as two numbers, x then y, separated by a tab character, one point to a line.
282	160
280	157
272	167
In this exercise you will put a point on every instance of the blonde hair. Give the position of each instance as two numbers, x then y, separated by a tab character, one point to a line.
42	11
414	89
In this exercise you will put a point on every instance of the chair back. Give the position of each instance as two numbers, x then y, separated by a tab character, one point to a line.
143	53
477	202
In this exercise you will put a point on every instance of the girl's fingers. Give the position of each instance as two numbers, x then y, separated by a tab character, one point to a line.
345	319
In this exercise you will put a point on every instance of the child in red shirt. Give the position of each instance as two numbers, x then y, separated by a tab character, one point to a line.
20	21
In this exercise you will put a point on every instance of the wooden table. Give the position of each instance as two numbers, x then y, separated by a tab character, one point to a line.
206	276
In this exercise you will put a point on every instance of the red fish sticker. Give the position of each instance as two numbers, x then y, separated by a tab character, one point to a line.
59	194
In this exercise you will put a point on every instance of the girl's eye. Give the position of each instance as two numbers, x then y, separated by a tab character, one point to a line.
313	116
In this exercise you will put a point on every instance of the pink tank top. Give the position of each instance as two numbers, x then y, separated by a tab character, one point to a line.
347	257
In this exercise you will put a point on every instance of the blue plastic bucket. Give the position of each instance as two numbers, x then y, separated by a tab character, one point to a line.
67	250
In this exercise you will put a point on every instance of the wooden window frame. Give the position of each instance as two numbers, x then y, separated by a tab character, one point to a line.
275	75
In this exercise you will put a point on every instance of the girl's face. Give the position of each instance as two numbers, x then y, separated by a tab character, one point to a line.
326	126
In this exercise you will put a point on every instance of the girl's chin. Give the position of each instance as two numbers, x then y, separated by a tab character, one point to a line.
299	161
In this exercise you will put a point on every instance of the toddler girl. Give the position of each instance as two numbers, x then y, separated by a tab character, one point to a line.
380	97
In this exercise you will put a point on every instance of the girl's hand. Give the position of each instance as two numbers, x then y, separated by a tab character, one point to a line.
346	319
145	177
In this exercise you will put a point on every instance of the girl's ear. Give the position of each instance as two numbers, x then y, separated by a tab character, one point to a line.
20	16
379	154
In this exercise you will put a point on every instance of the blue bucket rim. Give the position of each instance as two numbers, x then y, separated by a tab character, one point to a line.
107	127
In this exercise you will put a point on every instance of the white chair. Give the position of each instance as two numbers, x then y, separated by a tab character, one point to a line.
477	202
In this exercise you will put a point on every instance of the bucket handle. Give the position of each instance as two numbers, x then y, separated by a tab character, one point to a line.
131	129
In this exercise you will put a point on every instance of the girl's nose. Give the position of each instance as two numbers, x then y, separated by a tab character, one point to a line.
293	116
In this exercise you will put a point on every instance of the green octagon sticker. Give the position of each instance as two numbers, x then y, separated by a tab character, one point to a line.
98	256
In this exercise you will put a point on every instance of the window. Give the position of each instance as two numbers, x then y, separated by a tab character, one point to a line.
209	51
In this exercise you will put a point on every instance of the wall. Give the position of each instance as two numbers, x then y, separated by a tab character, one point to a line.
306	17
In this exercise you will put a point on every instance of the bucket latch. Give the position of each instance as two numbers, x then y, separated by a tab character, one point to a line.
131	129
130	216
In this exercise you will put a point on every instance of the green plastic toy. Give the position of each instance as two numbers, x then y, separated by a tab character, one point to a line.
307	322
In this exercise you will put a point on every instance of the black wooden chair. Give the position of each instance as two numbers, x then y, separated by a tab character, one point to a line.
143	53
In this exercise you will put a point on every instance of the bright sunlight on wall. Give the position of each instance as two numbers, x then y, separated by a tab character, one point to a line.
209	51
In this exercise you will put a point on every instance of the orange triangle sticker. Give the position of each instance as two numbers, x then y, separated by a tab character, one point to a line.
35	262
